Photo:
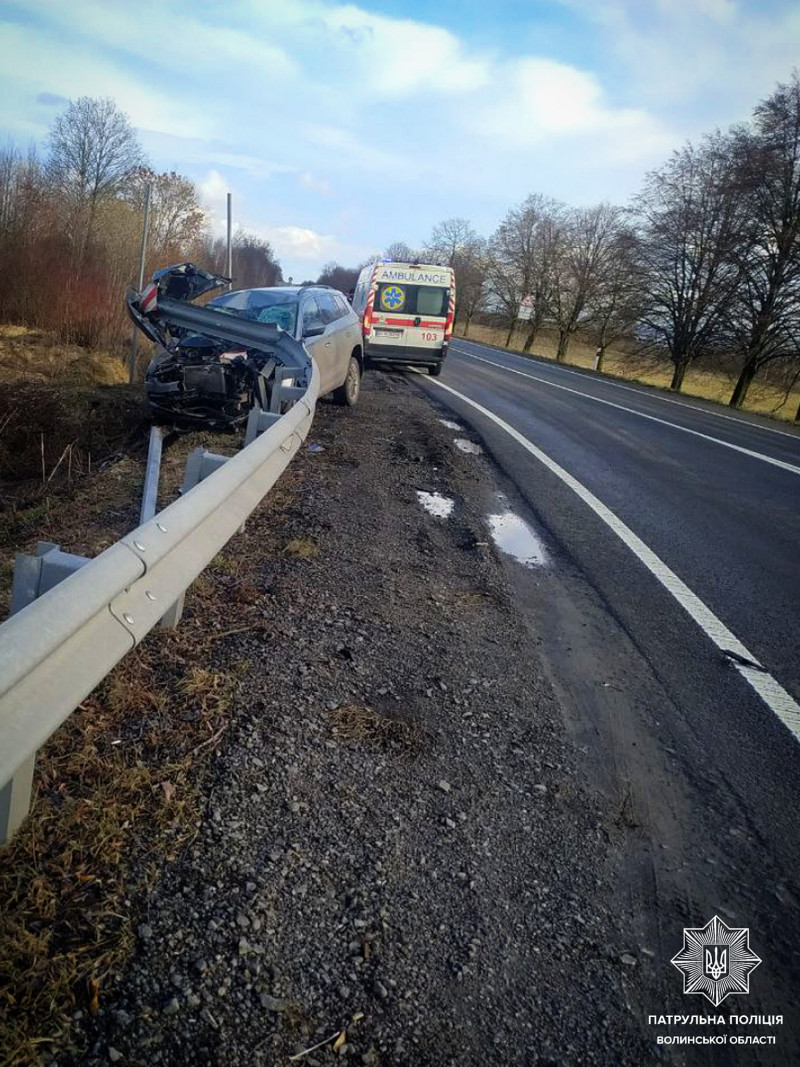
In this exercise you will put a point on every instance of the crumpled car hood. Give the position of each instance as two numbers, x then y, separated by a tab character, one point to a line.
183	282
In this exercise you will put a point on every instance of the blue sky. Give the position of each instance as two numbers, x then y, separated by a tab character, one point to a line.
341	127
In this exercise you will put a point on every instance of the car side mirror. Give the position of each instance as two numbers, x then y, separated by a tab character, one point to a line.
313	331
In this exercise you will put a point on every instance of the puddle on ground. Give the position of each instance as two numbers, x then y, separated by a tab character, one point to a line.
435	504
514	536
463	445
451	425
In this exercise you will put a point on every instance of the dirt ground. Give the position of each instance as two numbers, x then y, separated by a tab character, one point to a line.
389	850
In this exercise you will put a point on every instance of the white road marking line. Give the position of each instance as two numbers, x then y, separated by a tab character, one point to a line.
632	411
768	688
649	395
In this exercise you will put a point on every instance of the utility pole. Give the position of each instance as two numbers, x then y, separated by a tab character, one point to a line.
229	261
142	258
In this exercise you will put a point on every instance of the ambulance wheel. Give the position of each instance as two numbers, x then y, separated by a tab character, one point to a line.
435	370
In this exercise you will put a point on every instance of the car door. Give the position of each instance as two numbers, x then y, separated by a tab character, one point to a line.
320	343
334	315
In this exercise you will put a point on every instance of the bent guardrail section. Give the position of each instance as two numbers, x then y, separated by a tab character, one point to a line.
58	648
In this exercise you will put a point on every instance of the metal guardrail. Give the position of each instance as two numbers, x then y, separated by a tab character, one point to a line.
55	650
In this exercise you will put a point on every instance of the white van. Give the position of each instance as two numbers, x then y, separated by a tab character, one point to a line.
406	312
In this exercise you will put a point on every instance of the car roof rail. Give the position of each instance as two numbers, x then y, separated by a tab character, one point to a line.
316	285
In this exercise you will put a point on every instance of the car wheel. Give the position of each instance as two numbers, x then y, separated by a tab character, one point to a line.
435	370
347	393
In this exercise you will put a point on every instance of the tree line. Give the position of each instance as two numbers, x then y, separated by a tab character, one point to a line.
71	223
702	266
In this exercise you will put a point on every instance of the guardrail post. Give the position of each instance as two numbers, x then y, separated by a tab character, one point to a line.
35	575
171	617
15	799
199	465
152	474
257	421
281	392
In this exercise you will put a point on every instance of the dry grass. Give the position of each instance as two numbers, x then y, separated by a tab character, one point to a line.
64	411
355	722
763	397
96	512
115	796
28	355
117	787
302	548
51	435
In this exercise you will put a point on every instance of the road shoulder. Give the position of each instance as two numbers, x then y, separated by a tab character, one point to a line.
396	842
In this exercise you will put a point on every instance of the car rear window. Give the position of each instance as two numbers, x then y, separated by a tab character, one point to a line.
411	299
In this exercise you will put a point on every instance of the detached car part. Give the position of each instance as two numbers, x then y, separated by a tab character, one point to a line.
210	367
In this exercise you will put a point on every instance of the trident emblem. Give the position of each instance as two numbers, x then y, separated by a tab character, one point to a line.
716	964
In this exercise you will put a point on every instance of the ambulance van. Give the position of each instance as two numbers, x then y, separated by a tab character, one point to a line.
406	312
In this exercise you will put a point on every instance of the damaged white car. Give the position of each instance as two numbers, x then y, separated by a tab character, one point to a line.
214	363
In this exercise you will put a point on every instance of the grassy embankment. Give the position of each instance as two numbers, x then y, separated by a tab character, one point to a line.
763	398
117	787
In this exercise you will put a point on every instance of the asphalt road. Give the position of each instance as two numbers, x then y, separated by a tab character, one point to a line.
706	772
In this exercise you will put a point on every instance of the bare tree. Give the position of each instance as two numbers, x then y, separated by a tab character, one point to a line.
254	263
454	243
470	265
27	224
93	150
766	311
448	240
342	278
177	218
504	291
614	304
400	252
581	255
545	217
521	267
690	229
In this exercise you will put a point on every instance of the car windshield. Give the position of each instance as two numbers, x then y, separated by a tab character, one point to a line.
260	305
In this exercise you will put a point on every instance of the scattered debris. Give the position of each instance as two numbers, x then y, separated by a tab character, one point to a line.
320	1044
435	504
470	447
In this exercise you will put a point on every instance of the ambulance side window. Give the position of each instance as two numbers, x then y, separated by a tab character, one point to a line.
360	298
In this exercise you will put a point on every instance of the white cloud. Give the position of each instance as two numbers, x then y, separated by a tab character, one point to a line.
37	64
539	100
214	189
295	245
701	55
314	185
299	242
190	43
399	56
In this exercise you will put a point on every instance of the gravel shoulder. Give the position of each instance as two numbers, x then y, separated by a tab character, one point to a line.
396	843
